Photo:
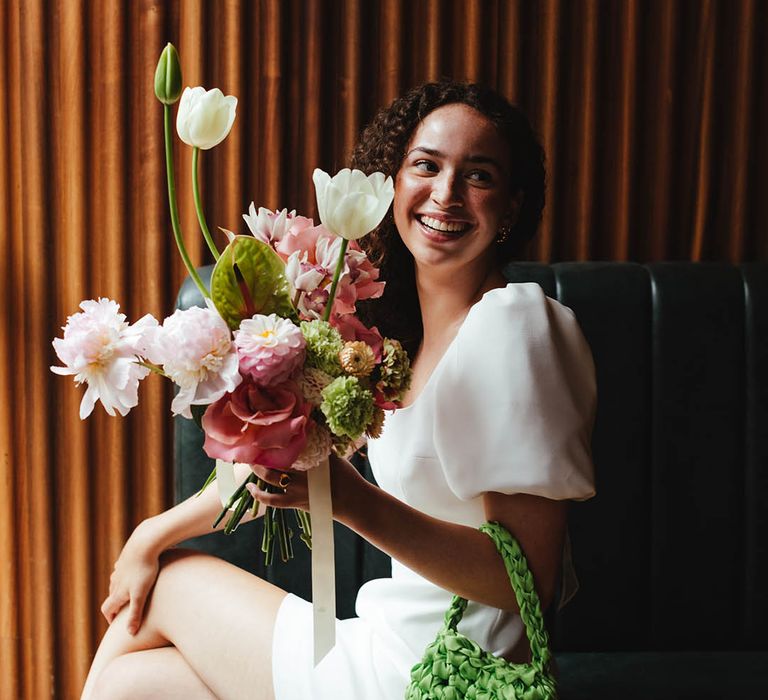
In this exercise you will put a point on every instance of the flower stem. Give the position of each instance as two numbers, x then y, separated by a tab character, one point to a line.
284	535
199	205
174	205
233	499
305	525
336	275
154	368
211	478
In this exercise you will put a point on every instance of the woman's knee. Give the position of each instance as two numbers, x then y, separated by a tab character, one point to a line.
117	681
150	674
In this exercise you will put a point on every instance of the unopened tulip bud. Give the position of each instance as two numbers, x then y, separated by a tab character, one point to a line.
168	76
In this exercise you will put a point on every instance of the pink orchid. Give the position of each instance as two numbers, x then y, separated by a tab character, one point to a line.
271	227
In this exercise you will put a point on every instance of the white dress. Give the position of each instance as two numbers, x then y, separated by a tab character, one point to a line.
509	408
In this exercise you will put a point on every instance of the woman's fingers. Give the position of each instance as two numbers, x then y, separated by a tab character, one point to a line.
275	477
271	476
135	611
113	605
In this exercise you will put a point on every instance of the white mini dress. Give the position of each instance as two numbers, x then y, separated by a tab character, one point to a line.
508	408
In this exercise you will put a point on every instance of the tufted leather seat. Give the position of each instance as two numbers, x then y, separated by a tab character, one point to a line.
672	554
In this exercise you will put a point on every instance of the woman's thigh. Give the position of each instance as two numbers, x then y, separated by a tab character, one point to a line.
221	619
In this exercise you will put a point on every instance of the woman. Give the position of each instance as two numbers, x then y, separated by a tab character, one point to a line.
496	426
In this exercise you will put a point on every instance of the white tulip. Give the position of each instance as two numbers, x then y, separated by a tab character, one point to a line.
205	117
350	203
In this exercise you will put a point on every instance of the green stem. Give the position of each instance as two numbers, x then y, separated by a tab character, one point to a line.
199	205
284	536
233	498
243	504
174	206
154	368
305	525
211	478
336	275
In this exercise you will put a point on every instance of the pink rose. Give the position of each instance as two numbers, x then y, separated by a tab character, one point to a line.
258	425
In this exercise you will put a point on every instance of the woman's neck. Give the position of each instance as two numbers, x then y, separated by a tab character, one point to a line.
445	298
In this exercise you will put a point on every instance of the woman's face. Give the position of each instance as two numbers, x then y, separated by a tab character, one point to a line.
452	191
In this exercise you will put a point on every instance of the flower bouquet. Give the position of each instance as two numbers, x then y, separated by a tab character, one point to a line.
275	368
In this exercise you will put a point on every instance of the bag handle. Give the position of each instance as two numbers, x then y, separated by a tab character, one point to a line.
525	593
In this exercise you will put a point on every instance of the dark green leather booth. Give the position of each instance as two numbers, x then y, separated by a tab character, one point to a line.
672	554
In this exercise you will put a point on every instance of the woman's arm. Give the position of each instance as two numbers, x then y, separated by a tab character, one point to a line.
458	558
455	557
137	565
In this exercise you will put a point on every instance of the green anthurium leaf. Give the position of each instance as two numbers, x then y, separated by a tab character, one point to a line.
249	278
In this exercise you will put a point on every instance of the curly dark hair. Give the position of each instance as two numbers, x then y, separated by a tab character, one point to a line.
382	147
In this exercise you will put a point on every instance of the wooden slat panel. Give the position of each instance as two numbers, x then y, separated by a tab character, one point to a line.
10	645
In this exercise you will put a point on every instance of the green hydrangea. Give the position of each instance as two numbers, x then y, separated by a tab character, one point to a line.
323	346
395	370
347	406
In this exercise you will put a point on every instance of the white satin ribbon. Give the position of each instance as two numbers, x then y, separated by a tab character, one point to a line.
225	481
323	569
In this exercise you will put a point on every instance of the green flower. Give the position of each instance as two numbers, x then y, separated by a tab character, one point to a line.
347	406
395	370
323	346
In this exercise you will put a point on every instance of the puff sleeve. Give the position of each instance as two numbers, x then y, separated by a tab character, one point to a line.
515	402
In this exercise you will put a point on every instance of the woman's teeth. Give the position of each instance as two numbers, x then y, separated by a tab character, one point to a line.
443	226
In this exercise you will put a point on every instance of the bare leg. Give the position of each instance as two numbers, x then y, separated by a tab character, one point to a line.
149	674
219	618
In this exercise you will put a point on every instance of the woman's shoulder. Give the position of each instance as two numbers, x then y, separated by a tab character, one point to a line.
516	401
518	312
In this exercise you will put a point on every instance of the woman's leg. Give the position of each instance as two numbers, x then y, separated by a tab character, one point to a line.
219	618
151	674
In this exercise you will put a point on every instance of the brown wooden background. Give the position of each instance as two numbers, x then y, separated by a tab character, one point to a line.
650	112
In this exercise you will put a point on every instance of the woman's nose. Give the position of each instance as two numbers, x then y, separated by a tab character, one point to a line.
446	190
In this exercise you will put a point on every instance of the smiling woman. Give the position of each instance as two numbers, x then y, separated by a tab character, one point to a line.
496	428
467	155
452	202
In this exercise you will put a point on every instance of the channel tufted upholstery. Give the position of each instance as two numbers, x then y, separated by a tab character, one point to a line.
672	554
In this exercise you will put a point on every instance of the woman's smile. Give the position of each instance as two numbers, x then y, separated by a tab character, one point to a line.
452	190
441	230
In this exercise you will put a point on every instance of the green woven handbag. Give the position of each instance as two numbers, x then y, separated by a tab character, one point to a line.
456	668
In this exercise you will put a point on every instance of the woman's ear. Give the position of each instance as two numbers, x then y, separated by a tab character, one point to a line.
510	218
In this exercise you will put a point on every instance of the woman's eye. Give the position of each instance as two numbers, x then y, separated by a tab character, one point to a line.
425	165
482	176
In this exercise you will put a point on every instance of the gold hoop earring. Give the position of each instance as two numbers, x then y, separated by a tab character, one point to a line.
503	234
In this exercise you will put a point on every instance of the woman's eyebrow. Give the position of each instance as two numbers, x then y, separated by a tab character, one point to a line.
470	159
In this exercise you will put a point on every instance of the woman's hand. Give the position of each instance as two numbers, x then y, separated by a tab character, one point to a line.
293	484
133	577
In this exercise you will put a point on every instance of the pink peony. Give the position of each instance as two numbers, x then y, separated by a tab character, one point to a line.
258	425
101	349
352	328
194	347
270	348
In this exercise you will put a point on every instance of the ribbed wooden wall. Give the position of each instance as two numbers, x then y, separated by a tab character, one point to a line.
650	113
